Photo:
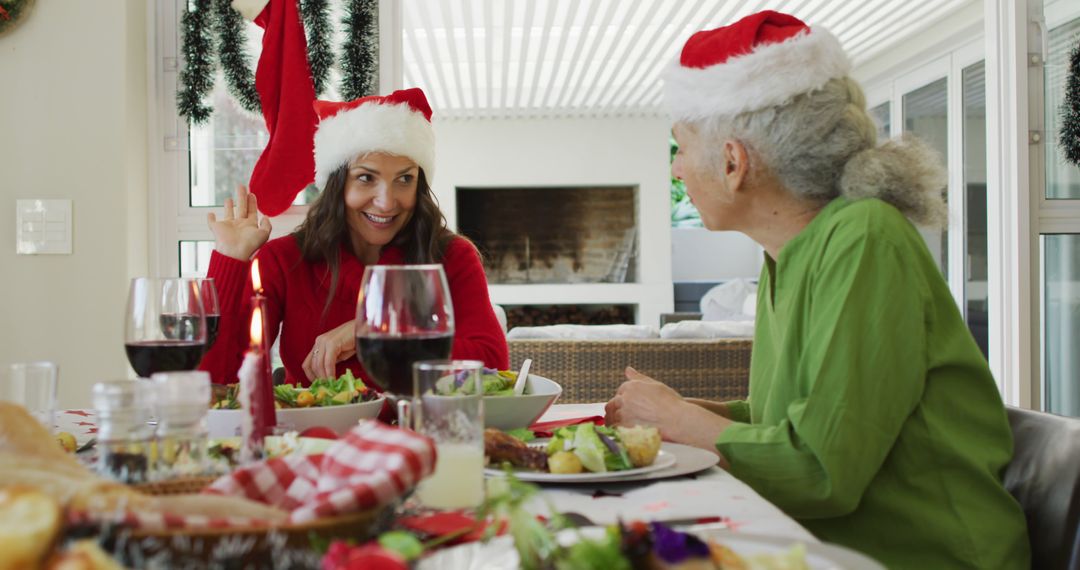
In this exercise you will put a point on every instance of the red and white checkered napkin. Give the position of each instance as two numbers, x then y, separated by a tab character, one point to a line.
370	466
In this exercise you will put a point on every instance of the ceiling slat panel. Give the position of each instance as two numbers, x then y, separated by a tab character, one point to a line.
517	58
654	63
619	74
558	68
474	84
541	54
571	92
450	36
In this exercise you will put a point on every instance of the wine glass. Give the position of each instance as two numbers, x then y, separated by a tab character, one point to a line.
403	315
209	296
166	325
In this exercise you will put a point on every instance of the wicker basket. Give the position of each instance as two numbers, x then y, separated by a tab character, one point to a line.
256	544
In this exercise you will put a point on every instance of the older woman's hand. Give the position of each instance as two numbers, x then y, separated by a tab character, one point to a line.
644	401
329	348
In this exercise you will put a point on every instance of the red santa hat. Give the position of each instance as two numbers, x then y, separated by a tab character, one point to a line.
398	123
761	61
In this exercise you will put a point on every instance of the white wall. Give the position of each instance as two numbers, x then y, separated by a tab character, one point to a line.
566	152
73	126
701	255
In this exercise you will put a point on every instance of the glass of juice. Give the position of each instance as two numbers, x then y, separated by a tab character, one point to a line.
448	407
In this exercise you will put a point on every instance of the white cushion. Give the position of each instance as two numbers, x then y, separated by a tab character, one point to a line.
708	329
735	300
584	332
500	315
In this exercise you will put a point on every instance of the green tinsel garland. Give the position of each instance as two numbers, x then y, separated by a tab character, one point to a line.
207	18
197	76
316	16
359	57
1070	111
232	54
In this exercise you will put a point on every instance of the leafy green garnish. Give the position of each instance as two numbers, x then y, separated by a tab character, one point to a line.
524	434
403	543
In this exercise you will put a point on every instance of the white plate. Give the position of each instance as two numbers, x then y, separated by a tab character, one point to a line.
499	554
673	460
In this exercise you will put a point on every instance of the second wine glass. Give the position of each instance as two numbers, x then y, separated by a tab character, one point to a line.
166	325
404	314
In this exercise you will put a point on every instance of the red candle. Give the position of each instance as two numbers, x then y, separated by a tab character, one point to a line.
256	384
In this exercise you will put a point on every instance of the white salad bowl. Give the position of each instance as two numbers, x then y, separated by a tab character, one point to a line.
226	423
513	412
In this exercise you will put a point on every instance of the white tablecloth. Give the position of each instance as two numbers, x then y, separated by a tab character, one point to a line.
710	493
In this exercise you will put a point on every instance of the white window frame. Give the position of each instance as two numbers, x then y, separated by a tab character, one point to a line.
168	203
947	64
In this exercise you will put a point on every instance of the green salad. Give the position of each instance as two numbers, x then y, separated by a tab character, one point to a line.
495	382
345	389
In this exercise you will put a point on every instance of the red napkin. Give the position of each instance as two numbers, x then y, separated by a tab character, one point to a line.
437	525
545	429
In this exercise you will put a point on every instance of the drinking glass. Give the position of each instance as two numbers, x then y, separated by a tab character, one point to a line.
166	325
32	385
209	296
456	424
403	315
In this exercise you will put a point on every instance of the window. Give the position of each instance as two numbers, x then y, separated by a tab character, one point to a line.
925	112
976	306
883	119
683	213
1060	242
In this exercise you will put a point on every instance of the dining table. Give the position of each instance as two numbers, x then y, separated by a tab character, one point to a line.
711	497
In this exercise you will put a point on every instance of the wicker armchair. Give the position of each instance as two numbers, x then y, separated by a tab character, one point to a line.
591	370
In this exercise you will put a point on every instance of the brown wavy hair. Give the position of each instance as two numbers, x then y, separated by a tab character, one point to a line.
423	239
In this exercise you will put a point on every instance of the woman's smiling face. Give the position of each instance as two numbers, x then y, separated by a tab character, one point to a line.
380	196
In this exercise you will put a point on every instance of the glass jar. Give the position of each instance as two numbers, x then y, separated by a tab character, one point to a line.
182	401
125	437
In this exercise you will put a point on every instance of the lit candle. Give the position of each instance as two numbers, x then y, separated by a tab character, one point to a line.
256	386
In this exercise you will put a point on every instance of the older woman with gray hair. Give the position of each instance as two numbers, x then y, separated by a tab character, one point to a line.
872	418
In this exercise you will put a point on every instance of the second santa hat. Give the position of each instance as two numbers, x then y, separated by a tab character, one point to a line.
761	61
398	123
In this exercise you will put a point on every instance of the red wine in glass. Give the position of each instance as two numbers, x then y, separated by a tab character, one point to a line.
389	360
403	315
148	357
166	328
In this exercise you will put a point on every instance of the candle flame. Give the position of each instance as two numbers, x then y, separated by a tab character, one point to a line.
256	278
256	327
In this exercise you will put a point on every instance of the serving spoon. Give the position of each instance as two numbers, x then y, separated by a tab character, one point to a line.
523	375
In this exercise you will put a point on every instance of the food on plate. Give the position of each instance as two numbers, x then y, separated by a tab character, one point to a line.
495	383
30	522
500	447
633	546
578	449
66	441
642	444
29	456
345	389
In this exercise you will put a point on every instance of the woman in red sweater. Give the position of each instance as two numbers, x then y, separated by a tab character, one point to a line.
373	160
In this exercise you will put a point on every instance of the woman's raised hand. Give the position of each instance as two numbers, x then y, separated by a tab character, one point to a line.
241	232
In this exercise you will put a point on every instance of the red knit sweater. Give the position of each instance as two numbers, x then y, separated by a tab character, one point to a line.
296	293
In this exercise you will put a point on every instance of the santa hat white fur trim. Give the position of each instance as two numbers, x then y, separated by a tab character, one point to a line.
372	127
249	9
770	75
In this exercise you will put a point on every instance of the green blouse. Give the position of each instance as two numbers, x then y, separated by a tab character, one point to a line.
873	418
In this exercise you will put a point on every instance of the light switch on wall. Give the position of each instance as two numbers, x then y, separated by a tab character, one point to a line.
42	226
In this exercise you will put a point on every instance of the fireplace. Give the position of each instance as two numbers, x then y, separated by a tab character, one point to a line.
552	235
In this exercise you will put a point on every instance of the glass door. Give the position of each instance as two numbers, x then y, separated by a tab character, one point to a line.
1059	225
